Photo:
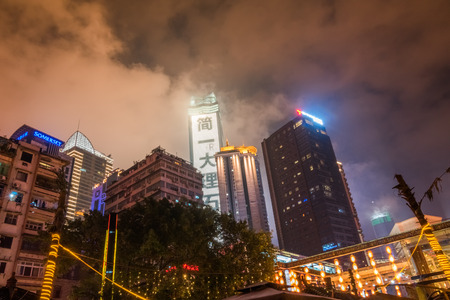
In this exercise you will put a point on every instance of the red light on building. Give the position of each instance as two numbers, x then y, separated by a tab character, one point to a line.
299	112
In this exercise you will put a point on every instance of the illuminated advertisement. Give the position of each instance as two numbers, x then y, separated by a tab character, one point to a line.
205	143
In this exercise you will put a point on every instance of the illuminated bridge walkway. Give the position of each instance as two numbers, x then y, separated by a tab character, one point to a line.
437	229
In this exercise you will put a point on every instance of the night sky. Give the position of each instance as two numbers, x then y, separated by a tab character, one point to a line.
376	72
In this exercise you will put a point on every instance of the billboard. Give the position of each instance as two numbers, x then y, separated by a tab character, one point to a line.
205	143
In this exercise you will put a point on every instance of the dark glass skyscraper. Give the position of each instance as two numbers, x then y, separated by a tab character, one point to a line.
312	210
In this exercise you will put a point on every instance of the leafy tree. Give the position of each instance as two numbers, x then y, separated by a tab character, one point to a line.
173	251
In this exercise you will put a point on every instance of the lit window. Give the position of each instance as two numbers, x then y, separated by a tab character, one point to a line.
311	168
308	156
296	162
16	197
281	146
285	168
282	157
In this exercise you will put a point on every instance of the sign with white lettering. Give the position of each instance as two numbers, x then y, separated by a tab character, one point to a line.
205	143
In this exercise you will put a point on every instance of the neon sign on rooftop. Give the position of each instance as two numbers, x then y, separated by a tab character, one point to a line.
317	120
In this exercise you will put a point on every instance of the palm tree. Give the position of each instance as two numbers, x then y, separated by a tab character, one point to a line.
406	193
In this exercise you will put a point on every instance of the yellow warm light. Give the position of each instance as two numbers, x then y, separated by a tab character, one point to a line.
358	276
352	258
370	254
336	262
394	267
281	281
308	277
342	288
338	271
341	280
388	250
391	258
372	262
378	280
322	273
306	270
360	284
355	267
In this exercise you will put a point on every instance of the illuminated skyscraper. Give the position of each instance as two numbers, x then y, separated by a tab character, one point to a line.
312	210
205	140
240	188
90	168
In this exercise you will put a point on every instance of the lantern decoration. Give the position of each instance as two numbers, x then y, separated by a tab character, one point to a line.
377	274
394	266
339	272
294	282
398	291
355	270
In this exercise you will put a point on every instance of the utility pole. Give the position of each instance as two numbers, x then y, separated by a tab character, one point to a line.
406	193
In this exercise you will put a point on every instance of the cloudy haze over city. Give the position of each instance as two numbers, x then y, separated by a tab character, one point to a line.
376	72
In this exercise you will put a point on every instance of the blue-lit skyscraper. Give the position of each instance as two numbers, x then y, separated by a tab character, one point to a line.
312	209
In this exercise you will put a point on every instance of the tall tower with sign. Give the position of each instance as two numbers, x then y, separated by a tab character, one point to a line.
312	210
205	140
90	167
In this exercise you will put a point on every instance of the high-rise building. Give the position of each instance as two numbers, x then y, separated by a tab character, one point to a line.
160	175
351	203
240	187
205	140
29	194
90	168
312	210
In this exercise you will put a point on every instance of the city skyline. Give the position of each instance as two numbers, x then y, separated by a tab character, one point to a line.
375	72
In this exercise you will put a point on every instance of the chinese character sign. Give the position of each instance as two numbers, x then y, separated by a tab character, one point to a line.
205	143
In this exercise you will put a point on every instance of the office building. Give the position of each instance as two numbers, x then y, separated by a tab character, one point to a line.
29	194
312	210
240	188
160	175
90	168
351	203
205	140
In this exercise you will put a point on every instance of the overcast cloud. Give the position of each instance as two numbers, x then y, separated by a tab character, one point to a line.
376	72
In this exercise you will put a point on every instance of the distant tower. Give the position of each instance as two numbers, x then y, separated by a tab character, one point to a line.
90	168
382	224
312	211
205	140
240	187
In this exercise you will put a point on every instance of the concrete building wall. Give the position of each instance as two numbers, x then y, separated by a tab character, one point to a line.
29	195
